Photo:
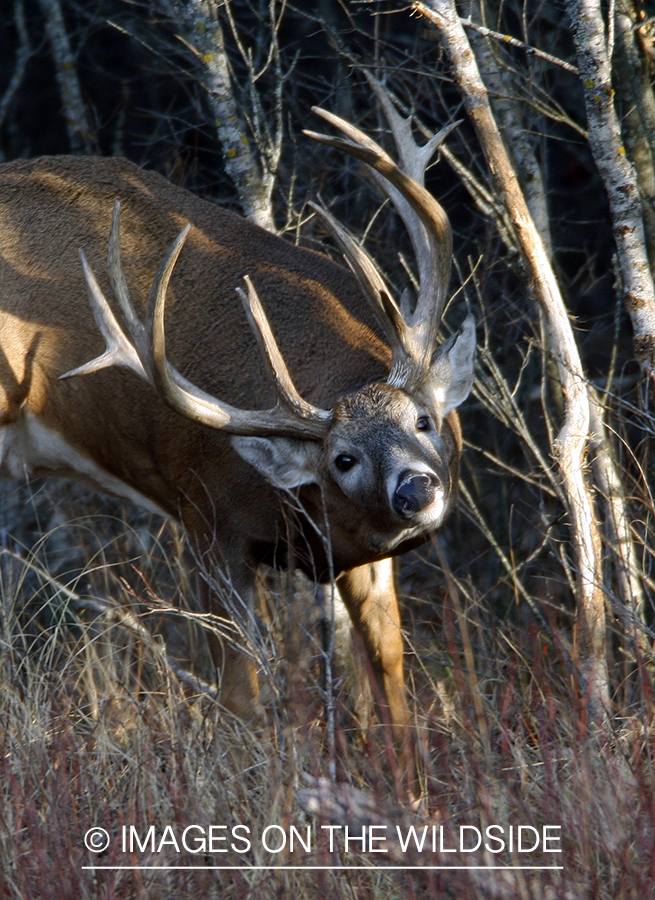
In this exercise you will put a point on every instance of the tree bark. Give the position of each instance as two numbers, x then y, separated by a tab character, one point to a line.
617	174
569	448
80	135
254	180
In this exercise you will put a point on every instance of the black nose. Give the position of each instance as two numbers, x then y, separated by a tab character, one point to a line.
415	491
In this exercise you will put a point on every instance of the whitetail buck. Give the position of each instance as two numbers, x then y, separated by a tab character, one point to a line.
335	445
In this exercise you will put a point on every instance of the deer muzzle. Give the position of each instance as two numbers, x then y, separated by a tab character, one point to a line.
415	492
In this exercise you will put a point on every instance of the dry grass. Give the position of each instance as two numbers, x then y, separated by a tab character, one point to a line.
100	723
98	730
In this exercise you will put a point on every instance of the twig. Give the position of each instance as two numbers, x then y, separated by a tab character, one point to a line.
515	42
570	444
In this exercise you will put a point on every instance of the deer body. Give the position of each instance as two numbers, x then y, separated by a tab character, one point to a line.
50	209
378	470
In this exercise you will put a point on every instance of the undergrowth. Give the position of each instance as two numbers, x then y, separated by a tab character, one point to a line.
98	730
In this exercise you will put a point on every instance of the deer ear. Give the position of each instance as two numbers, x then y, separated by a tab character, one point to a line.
451	372
284	462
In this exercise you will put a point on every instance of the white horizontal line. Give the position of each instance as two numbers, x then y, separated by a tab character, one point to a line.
325	868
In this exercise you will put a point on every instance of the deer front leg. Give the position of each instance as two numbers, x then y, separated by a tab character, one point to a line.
370	595
236	673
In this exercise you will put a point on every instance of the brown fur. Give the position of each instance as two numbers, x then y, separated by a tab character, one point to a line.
50	208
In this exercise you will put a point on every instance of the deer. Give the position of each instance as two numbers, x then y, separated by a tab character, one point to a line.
321	426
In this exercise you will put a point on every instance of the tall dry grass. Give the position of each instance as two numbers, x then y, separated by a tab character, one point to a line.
106	712
99	730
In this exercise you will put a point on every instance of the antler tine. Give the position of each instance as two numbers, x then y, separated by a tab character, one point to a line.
119	284
369	278
420	333
143	350
413	160
122	349
119	351
287	393
291	415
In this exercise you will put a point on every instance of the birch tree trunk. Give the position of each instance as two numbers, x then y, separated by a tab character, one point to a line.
617	174
253	179
634	89
570	446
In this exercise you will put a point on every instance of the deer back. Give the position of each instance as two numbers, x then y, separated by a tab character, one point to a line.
109	426
50	208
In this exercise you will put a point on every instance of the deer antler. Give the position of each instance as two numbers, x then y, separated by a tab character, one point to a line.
412	333
143	349
369	277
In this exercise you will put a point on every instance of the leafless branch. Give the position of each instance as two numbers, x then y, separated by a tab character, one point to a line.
569	448
514	42
254	178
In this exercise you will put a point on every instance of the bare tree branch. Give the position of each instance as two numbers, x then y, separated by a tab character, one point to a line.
254	179
511	121
514	42
569	448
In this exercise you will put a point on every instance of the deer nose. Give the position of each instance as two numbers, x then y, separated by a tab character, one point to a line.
414	492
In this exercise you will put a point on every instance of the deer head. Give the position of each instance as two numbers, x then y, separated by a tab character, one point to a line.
384	447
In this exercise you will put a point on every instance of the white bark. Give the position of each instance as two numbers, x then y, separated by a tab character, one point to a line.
617	174
631	67
254	180
510	118
569	448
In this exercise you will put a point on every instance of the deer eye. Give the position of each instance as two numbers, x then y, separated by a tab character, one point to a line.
344	463
423	424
